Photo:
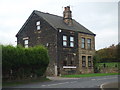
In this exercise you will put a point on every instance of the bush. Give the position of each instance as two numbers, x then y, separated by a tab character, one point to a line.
21	63
96	60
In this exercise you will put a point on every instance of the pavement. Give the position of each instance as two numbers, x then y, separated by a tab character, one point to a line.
60	78
113	85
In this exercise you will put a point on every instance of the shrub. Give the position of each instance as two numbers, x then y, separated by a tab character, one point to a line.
21	63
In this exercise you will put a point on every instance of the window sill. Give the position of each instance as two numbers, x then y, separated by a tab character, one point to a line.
68	47
69	67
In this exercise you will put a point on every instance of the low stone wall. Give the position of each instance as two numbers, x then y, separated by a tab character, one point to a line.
109	70
86	70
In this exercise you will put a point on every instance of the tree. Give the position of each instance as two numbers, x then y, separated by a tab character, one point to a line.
108	54
96	60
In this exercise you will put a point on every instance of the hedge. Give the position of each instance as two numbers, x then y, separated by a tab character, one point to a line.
23	63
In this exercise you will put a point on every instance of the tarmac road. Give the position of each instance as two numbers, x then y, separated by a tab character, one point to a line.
58	82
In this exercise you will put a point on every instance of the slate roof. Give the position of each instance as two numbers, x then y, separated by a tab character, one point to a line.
58	23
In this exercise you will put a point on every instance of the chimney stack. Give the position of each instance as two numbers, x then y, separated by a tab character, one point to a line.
67	16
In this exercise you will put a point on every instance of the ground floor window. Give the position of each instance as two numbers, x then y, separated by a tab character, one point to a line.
64	63
89	61
83	61
69	60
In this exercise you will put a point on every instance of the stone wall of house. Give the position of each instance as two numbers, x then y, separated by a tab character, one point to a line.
46	36
53	40
86	52
67	53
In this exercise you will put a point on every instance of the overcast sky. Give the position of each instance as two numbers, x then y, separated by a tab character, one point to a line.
99	17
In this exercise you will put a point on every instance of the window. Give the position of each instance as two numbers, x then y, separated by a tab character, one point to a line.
64	40
72	61
38	25
71	41
26	43
83	61
89	61
83	43
47	44
89	43
64	63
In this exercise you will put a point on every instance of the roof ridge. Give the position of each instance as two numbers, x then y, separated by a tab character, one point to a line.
57	22
48	13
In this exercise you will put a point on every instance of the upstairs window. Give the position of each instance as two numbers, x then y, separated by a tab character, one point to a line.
38	25
71	41
89	43
64	40
83	43
26	43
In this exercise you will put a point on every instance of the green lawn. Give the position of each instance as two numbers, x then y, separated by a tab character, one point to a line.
21	82
90	75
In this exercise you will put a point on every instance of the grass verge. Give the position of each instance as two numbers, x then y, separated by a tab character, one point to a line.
90	75
21	82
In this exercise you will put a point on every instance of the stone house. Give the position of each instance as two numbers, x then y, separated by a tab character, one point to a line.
70	45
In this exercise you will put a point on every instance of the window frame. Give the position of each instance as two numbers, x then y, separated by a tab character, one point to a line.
72	41
38	25
88	43
26	44
82	43
64	40
89	61
84	61
64	62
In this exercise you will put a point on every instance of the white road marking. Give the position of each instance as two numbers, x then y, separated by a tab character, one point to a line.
101	86
93	79
58	83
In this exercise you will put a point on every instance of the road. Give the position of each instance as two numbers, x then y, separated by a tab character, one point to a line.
89	82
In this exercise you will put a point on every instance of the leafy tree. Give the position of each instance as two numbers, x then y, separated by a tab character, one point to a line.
108	54
96	60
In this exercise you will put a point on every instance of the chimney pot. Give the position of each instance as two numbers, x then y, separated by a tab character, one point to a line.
67	16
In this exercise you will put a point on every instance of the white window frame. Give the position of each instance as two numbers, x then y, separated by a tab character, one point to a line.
64	40
26	43
71	41
38	25
83	43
